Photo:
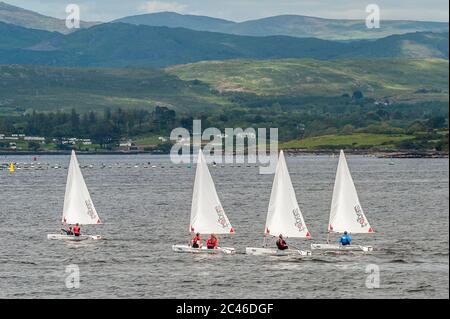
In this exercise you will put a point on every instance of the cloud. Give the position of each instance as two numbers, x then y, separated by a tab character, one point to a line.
159	6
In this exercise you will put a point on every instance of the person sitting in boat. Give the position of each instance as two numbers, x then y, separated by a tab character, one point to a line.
345	239
211	243
196	241
77	230
68	231
281	243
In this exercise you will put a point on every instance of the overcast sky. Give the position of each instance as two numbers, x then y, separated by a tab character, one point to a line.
239	10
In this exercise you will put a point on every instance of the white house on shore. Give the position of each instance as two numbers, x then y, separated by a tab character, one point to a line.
35	139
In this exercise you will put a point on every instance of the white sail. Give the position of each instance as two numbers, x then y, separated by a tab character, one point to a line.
284	215
78	206
207	214
346	212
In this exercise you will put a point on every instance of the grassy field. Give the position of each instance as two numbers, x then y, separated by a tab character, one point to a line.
48	88
147	141
400	80
356	140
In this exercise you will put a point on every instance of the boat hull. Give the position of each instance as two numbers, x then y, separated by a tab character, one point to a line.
203	250
334	247
259	251
72	237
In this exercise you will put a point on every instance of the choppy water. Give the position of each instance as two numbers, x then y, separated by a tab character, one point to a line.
146	210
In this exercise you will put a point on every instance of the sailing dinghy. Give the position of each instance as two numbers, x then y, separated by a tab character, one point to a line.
346	213
284	216
207	214
78	205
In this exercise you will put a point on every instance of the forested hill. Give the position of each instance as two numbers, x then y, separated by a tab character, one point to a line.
126	45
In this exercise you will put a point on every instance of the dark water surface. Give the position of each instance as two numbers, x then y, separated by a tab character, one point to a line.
146	210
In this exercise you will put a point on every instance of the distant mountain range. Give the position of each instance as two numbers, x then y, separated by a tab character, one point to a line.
165	39
288	25
176	20
126	45
30	19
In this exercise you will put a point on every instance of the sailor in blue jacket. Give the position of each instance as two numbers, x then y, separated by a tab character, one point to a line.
345	239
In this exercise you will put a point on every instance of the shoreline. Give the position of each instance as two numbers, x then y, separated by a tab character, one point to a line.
376	153
329	152
40	153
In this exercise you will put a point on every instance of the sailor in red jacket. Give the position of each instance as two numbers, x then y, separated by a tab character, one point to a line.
211	243
281	243
76	230
196	241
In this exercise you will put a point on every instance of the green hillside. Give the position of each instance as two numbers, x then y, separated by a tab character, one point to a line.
13	37
45	88
356	140
207	85
398	80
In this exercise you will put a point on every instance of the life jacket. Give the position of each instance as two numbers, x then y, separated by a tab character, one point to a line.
196	239
281	243
211	243
76	230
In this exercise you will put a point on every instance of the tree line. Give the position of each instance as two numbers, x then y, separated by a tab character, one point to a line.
103	128
295	117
